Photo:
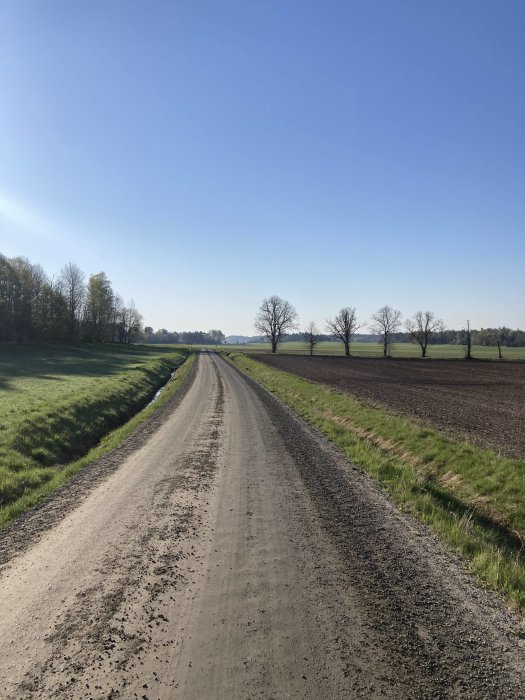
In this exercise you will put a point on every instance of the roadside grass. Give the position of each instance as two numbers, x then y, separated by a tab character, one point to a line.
360	349
473	498
58	402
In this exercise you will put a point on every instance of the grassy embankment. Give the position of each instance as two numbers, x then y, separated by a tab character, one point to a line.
57	403
407	350
474	499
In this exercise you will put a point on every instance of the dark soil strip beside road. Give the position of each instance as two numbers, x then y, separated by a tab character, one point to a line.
482	401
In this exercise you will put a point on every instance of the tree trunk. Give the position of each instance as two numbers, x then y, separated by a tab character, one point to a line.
347	349
274	346
385	347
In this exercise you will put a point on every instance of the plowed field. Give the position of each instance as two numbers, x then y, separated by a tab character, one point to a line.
483	401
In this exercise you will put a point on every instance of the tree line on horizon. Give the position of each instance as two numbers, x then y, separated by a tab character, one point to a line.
35	307
510	338
212	337
277	319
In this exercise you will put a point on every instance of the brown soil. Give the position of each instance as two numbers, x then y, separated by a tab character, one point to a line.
482	401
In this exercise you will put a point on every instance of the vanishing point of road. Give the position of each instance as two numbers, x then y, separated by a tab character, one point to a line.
227	551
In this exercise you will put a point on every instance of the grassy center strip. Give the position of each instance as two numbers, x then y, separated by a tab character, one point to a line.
472	498
26	478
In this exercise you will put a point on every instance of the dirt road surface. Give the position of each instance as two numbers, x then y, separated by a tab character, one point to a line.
236	555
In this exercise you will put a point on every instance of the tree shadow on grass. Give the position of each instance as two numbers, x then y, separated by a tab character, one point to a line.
500	534
53	362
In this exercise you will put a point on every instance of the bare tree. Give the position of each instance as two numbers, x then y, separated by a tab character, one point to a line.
127	321
386	322
275	318
421	327
498	337
311	336
467	341
71	282
344	326
133	321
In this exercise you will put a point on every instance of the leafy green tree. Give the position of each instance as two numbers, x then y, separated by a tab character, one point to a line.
99	309
215	337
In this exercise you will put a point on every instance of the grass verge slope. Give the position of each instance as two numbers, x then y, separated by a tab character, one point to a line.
57	403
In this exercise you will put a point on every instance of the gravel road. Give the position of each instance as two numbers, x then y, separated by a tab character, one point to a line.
227	551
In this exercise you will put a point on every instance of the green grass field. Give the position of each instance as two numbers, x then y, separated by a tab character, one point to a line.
472	497
56	402
375	350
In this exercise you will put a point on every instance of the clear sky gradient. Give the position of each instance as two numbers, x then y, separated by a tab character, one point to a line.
208	153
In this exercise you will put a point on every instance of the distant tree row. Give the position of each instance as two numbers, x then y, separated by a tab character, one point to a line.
509	338
505	337
213	337
277	318
35	307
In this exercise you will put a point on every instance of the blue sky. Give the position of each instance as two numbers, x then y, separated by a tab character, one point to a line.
208	153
